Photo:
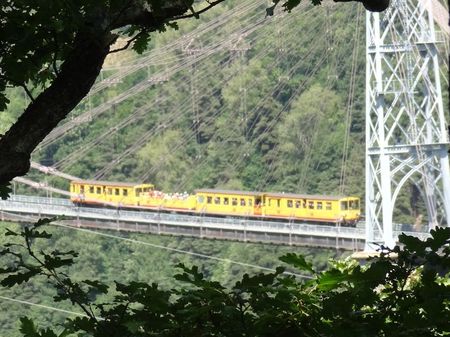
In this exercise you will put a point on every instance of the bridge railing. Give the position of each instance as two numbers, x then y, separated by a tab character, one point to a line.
58	206
42	206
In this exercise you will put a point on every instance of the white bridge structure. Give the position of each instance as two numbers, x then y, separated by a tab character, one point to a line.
406	132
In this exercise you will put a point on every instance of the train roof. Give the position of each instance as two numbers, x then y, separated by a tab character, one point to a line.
273	194
304	196
106	183
211	190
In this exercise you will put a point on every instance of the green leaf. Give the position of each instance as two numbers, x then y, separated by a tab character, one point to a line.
412	243
297	261
440	237
19	278
3	105
47	333
270	10
290	4
11	233
134	325
99	286
5	189
65	333
331	279
140	44
191	275
173	25
54	262
83	323
44	222
41	235
27	327
255	282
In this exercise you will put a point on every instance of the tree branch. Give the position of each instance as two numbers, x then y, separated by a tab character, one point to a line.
130	41
55	54
20	84
140	15
27	91
197	13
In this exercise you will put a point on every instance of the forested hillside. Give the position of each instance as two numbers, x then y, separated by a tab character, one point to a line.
265	109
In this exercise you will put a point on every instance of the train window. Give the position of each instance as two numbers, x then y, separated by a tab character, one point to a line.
200	199
344	205
270	202
250	202
354	204
234	201
319	205
304	203
82	189
289	203
328	206
91	189
242	202
109	190
209	200
226	201
117	191
99	190
125	192
138	191
297	204
311	204
217	200
278	202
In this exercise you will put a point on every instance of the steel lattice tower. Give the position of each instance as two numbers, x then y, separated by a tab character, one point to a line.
406	131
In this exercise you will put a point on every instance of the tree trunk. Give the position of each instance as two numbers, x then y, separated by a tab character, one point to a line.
73	82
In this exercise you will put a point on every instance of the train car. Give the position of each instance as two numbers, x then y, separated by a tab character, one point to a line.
117	194
224	202
182	202
315	208
312	208
106	192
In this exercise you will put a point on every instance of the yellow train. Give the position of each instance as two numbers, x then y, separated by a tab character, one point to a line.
298	207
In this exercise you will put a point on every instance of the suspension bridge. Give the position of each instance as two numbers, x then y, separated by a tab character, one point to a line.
406	135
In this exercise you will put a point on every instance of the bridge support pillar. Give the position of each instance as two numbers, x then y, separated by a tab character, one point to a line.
406	130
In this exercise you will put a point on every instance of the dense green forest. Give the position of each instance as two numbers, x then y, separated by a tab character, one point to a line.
238	101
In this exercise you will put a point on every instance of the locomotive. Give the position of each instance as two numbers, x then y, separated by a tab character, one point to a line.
221	203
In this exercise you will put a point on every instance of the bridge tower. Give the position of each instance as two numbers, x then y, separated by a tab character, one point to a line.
406	132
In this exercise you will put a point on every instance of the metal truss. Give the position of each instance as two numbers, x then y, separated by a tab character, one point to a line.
406	130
